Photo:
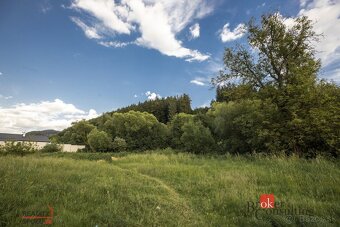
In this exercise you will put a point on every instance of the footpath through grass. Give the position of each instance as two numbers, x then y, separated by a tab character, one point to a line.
167	189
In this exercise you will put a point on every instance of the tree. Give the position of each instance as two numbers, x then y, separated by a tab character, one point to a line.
141	130
280	69
245	126
284	55
196	138
175	127
233	92
76	134
99	141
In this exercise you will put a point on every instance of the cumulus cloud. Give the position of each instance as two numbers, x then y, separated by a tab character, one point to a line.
0	73
326	15
200	81
152	95
194	31
227	35
156	22
55	114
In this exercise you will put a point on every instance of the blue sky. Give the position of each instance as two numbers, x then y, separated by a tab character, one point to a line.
65	60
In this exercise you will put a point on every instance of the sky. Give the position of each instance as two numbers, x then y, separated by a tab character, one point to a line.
62	61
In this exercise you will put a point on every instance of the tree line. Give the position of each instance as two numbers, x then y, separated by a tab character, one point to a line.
268	100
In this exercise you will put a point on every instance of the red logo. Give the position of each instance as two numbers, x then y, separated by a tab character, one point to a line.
267	201
48	219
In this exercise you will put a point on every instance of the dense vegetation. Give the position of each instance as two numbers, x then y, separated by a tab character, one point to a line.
268	100
164	109
162	188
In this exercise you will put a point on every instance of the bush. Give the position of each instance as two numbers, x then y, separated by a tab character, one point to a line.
246	126
141	130
18	148
119	144
50	148
176	130
196	138
99	141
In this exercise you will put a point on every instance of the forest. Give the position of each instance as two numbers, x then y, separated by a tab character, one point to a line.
269	100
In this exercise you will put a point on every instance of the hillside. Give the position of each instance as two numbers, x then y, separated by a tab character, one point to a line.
48	133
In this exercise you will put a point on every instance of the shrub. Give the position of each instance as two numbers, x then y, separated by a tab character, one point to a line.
141	130
18	148
119	144
196	138
246	126
99	141
175	127
50	148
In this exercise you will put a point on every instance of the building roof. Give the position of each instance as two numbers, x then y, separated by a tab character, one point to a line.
20	137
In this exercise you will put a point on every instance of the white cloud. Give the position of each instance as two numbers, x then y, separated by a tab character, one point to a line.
332	74
135	96
325	14
201	81
5	97
206	104
227	35
90	32
197	82
114	44
195	31
1	73
43	115
156	21
45	6
152	95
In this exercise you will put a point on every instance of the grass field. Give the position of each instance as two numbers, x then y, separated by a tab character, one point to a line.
164	188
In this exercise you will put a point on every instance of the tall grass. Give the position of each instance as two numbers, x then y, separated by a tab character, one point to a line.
166	189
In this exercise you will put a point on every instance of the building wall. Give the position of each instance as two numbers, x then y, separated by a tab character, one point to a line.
71	148
64	147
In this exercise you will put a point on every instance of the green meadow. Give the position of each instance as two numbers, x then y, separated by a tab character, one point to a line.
167	188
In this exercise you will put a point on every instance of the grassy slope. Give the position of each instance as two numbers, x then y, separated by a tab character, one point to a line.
163	189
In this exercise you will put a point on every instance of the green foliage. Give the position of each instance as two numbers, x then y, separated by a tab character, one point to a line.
283	57
163	109
99	141
176	131
244	126
233	92
291	111
17	148
196	138
119	144
141	130
76	134
52	147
